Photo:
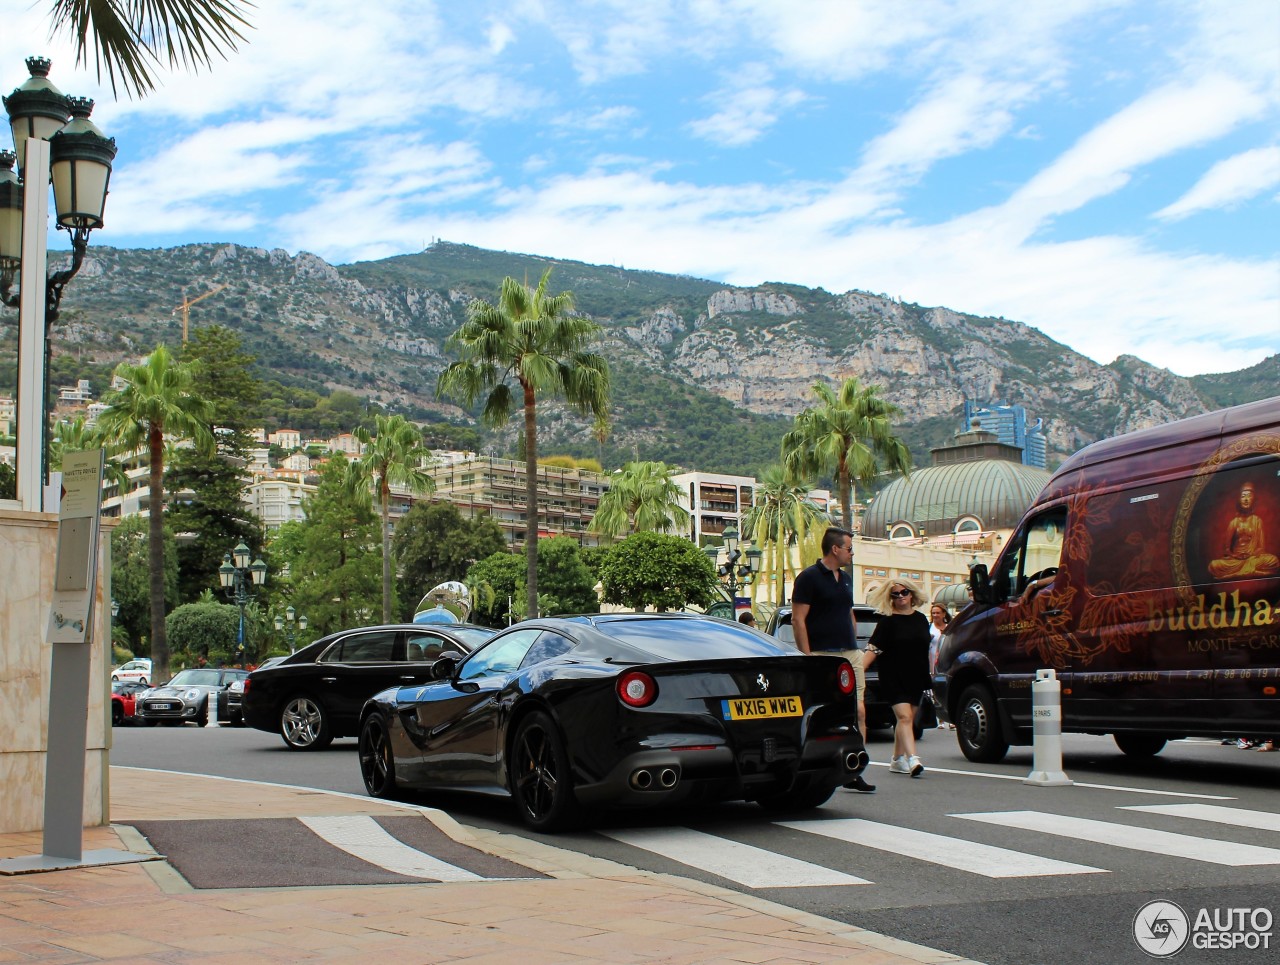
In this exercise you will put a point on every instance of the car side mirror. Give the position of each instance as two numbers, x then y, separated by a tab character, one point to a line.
445	665
980	583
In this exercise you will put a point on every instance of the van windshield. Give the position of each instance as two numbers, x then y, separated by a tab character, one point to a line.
1037	548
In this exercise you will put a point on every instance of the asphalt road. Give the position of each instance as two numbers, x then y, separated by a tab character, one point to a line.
914	860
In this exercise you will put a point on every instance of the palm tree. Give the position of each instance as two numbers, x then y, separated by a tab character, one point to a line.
847	434
76	436
642	498
129	37
782	517
533	338
156	405
395	456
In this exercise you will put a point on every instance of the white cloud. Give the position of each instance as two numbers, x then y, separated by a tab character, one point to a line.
748	106
1165	121
1229	182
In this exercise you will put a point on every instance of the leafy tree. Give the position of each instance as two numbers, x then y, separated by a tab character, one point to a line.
130	37
77	436
846	435
503	574
531	337
131	577
213	503
395	456
158	404
594	557
434	543
335	573
782	518
204	629
642	497
657	570
567	585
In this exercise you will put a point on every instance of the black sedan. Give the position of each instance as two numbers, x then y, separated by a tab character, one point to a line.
621	709
312	696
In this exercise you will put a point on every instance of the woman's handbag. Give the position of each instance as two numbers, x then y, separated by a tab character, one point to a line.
926	714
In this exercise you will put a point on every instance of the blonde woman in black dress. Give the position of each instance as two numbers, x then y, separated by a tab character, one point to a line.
902	640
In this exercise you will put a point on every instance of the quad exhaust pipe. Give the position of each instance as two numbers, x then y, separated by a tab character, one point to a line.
643	779
855	760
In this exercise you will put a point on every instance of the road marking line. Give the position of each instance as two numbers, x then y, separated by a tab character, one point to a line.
743	863
363	837
1097	787
1164	843
980	859
1236	817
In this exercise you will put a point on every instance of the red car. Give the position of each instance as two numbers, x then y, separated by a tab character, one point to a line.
124	694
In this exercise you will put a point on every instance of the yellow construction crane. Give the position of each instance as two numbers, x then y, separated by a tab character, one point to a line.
185	308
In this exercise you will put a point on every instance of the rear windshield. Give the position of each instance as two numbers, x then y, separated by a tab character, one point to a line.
692	639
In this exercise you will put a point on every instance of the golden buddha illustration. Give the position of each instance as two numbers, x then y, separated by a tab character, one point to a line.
1245	550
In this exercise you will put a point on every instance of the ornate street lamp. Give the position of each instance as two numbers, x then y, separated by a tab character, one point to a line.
240	579
291	625
54	141
734	571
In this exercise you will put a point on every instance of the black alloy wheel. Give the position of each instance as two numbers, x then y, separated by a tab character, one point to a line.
304	724
377	760
978	726
793	800
1140	745
540	778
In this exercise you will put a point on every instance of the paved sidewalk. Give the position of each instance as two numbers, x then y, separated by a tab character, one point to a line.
586	910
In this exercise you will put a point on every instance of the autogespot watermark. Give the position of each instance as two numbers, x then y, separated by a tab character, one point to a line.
1162	929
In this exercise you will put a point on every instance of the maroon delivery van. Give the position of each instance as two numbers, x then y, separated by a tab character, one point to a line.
1147	574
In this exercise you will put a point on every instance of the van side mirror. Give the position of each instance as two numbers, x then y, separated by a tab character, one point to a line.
445	665
980	583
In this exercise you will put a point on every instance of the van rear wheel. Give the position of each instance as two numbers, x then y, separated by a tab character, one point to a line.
1140	745
978	726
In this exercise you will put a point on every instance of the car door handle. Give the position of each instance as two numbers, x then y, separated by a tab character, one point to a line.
409	677
1053	613
328	680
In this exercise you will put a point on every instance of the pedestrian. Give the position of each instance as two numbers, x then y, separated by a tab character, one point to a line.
747	618
823	621
902	641
939	617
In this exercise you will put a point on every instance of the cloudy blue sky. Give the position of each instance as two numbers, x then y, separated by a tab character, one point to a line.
1107	171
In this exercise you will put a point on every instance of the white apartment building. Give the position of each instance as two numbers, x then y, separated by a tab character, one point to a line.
286	438
277	499
714	501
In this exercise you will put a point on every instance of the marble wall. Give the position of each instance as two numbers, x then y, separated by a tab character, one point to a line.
28	548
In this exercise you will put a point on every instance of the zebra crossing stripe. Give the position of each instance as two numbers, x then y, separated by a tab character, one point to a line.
1215	813
980	859
363	837
1165	843
747	865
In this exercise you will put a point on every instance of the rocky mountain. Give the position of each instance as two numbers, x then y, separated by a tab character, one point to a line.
704	374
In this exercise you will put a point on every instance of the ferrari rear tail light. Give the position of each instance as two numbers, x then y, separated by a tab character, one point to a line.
245	688
845	679
637	689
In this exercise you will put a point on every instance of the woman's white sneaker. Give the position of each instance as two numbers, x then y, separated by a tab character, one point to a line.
914	767
899	766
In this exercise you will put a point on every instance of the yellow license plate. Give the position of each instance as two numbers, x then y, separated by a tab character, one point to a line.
757	708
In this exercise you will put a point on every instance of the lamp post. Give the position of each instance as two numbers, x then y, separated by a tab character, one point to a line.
239	580
53	140
291	625
734	572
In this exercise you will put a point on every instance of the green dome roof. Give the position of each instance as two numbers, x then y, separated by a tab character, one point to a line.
995	492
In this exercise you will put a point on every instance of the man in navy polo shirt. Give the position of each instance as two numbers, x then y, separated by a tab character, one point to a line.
823	620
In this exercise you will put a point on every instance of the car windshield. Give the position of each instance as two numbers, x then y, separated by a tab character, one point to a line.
195	678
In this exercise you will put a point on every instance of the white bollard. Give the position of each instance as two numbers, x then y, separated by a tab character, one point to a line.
1046	732
213	710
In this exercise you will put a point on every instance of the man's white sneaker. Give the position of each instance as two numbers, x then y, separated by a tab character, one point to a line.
914	766
899	766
